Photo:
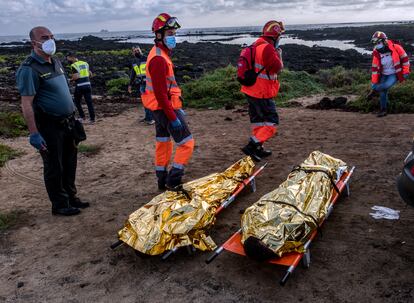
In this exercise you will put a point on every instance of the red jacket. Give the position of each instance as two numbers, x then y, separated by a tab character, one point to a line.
267	85
399	57
158	70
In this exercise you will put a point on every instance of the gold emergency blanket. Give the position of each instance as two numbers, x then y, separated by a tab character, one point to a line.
285	218
173	219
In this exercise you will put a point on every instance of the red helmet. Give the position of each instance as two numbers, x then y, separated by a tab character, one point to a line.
273	29
378	36
163	22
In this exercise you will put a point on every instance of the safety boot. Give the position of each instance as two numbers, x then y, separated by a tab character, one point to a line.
382	113
251	150
162	179
263	153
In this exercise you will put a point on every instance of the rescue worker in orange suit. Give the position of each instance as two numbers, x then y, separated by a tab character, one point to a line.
262	108
163	97
390	64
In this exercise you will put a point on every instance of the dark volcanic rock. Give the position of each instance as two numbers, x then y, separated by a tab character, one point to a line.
327	103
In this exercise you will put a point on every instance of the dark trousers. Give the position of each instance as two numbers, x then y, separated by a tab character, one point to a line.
59	161
84	91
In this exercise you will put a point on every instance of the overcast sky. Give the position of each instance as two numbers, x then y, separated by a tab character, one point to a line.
70	16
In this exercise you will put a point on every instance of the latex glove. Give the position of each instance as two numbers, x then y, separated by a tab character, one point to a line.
406	76
182	112
176	124
36	140
129	89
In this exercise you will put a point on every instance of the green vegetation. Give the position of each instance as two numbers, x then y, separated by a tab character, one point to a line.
12	125
4	70
89	150
8	220
296	85
117	86
7	153
116	52
215	89
220	87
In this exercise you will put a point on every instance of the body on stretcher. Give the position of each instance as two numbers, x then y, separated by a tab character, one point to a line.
292	259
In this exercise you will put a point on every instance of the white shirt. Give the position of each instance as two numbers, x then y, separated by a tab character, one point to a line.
387	64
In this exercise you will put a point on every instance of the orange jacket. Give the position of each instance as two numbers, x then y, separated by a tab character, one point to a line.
267	85
174	92
399	57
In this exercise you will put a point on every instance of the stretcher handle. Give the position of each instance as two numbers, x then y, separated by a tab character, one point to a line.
168	254
285	278
212	257
116	244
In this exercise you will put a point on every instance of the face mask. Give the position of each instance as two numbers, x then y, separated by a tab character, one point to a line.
137	55
170	42
48	47
379	46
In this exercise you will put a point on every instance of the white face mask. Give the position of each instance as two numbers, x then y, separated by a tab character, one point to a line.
48	47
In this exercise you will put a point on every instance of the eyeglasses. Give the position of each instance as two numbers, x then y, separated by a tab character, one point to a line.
173	23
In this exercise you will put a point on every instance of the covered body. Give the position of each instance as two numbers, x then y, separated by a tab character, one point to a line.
284	219
173	219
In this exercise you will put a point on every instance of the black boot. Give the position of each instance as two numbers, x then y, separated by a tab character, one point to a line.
263	153
162	179
382	113
66	211
251	150
77	203
174	177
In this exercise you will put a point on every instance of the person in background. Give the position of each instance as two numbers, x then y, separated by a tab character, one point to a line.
390	64
163	97
48	109
262	108
137	78
81	76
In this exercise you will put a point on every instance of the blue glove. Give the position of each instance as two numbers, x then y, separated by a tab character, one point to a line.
37	141
406	76
176	124
373	86
182	112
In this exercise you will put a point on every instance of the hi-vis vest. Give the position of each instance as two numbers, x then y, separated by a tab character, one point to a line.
174	92
139	69
267	85
399	58
82	68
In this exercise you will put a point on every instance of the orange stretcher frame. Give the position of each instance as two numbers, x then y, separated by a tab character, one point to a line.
251	180
234	245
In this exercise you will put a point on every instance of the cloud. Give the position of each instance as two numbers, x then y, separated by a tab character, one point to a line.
90	15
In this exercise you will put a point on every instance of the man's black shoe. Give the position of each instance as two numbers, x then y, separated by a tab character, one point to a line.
77	203
251	150
382	113
263	153
67	211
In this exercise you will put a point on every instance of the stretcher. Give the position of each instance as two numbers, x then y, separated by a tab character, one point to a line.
290	260
249	181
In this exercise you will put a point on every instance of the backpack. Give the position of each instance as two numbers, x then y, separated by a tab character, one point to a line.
246	74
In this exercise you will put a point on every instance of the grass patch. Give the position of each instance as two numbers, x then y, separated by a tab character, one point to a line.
117	86
89	150
8	220
220	87
12	125
346	81
400	96
213	90
7	153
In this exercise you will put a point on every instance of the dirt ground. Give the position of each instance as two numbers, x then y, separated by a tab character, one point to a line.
45	258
